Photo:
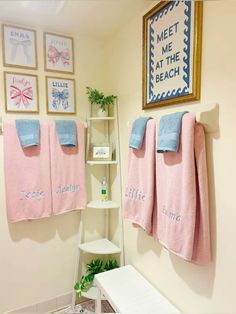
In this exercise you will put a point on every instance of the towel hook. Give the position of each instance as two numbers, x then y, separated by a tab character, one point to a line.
209	118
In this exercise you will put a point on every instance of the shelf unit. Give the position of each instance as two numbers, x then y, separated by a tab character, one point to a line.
100	118
103	205
99	162
104	245
100	246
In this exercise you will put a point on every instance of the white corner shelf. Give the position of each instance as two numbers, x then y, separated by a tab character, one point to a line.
91	294
103	205
101	162
101	118
101	246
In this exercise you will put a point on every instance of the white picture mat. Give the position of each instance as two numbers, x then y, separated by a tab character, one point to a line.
101	152
59	53
19	46
61	95
19	84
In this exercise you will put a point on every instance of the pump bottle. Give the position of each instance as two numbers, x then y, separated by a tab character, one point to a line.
104	193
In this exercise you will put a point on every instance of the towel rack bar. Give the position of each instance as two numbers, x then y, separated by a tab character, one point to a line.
1	126
209	118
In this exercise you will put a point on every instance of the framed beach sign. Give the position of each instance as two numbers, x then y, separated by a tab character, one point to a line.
60	95
172	33
21	92
58	53
19	47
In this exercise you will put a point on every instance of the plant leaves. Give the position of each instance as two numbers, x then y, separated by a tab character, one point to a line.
97	97
94	267
110	264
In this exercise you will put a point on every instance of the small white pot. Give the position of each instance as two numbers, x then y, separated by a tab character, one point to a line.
102	113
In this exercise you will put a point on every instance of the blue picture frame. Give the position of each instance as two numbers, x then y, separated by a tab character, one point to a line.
172	36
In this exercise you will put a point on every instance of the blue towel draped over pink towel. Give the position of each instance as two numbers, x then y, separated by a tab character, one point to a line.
67	172
182	220
28	132
139	195
169	132
167	193
138	132
27	176
66	132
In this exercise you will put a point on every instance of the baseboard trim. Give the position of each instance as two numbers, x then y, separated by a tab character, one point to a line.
46	306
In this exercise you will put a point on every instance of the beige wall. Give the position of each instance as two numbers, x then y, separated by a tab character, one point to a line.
194	289
37	258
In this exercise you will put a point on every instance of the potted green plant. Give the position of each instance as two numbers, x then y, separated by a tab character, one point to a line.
94	267
98	98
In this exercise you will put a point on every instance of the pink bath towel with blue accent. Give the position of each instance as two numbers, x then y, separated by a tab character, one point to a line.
67	172
27	175
182	221
138	201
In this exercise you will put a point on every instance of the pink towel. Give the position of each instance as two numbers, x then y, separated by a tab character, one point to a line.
27	176
67	172
140	188
182	196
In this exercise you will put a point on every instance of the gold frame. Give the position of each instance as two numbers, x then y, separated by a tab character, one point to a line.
45	59
60	78
196	77
35	49
5	92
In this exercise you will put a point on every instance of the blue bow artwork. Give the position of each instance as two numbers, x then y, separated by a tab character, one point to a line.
60	98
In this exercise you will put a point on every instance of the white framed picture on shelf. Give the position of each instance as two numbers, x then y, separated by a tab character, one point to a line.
101	152
60	95
58	53
19	47
21	92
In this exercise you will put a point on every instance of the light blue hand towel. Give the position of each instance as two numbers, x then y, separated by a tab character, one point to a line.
137	132
28	132
66	132
169	132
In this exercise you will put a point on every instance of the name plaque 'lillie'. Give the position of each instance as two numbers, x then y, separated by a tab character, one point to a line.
172	53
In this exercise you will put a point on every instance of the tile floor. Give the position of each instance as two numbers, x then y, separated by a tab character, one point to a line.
88	307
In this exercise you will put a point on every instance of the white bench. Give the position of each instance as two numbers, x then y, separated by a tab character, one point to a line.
129	292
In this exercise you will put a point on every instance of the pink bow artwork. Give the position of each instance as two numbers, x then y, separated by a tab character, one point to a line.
55	55
18	96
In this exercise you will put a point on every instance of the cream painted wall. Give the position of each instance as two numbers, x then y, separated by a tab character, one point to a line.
194	289
37	258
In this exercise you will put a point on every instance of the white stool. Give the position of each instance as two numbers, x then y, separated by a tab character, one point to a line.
129	292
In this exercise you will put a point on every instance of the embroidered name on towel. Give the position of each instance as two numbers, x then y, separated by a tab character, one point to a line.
171	215
68	189
26	195
135	194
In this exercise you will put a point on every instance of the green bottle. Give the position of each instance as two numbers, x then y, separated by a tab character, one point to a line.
104	194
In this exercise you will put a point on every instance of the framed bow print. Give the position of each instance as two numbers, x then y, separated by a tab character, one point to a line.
58	53
60	95
172	33
21	92
19	47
